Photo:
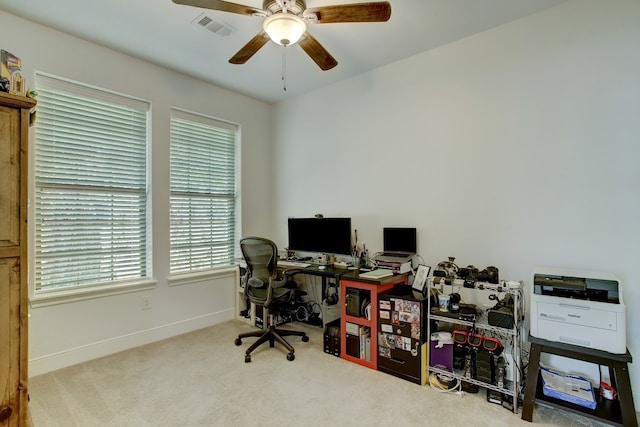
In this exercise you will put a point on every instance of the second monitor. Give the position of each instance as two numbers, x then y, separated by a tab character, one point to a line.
322	235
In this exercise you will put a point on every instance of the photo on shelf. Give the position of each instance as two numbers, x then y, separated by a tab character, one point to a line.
420	281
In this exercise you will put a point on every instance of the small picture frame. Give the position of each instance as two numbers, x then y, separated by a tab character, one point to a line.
420	281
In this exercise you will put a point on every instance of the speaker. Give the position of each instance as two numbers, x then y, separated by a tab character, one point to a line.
501	317
501	314
355	297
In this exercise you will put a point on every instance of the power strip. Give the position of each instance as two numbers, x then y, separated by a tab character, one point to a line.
512	284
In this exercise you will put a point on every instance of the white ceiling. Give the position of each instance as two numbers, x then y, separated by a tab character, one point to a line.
162	32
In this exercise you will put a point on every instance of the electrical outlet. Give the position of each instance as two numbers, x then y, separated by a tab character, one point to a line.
146	302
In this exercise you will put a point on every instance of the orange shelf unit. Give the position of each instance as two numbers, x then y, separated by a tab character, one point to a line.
374	287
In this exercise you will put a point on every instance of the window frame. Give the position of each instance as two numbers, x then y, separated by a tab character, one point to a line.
186	276
48	296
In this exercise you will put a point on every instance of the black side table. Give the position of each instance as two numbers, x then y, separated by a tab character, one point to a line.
617	412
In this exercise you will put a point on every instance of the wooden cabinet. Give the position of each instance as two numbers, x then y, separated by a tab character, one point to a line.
14	127
402	334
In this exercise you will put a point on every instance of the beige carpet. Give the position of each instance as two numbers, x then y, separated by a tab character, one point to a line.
200	379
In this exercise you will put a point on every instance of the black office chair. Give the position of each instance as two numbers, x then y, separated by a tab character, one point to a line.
263	288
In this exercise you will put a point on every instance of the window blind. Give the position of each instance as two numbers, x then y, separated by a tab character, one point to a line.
203	192
90	186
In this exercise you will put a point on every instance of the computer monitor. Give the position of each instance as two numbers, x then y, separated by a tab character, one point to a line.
323	235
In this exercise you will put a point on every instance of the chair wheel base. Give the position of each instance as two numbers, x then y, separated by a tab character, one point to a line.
305	338
247	358
238	341
290	356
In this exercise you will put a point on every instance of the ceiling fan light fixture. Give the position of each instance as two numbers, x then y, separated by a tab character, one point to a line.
284	28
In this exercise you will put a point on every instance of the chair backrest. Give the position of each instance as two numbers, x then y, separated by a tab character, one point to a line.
260	254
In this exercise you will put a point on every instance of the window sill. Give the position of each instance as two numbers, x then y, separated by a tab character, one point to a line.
63	296
189	278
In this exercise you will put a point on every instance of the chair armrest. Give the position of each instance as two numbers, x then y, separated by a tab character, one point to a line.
257	283
244	282
285	276
291	272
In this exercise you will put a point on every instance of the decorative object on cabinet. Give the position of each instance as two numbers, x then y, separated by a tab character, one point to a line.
14	128
449	273
420	281
469	275
489	275
11	72
447	269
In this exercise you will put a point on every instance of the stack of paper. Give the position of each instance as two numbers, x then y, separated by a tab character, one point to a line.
570	388
376	274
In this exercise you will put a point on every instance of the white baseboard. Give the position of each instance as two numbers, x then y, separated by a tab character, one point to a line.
73	356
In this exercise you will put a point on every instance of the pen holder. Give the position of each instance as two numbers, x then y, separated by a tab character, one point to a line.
356	262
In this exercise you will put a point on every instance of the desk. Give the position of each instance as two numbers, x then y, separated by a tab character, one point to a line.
616	412
330	277
327	273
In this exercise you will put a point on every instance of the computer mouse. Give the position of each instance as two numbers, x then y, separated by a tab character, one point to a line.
321	267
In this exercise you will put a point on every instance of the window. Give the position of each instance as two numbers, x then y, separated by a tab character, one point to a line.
203	192
91	186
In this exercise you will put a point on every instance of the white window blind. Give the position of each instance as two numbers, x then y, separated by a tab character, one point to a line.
90	186
203	192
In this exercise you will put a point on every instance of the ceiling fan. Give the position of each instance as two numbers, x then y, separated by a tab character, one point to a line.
285	22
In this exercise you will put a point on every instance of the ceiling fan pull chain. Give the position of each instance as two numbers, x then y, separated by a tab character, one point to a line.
284	68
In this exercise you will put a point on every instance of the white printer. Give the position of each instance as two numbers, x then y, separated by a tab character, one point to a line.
578	307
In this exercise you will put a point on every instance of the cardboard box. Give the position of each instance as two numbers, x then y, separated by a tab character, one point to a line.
11	72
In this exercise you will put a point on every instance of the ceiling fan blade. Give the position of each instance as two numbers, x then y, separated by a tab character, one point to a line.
317	52
249	49
224	6
358	12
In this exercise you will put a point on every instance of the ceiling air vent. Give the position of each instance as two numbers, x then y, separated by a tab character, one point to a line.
212	24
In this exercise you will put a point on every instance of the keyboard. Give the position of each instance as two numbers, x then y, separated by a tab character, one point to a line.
296	264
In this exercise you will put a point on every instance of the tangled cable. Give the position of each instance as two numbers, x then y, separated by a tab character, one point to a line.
444	384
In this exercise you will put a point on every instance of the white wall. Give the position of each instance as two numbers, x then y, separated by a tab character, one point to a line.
64	334
516	147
